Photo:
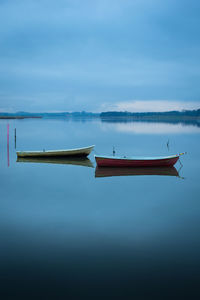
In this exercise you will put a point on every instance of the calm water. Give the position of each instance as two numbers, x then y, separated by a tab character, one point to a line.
67	234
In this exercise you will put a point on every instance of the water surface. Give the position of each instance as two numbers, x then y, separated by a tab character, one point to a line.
68	233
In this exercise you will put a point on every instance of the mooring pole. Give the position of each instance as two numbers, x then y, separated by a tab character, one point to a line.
8	159
113	151
15	138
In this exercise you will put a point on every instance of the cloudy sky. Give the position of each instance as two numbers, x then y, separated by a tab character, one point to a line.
93	55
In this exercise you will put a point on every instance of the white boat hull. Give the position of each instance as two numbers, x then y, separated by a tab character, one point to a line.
56	153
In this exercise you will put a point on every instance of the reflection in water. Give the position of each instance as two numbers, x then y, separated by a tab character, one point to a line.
109	172
79	161
150	127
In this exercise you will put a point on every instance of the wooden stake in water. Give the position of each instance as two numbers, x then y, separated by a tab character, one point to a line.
15	138
168	145
8	159
113	151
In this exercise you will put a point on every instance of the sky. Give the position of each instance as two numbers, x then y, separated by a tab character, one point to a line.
99	55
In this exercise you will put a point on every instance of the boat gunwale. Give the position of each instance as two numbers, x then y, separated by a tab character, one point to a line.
55	151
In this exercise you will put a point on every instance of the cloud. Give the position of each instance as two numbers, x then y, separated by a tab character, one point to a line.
90	51
150	106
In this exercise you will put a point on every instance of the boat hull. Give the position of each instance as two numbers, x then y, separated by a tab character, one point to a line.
79	152
136	162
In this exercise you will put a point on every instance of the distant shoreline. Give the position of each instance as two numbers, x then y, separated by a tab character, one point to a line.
188	115
18	117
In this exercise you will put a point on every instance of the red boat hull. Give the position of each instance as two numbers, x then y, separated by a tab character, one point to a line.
122	162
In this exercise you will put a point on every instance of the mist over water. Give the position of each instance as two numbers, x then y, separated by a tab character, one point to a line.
68	234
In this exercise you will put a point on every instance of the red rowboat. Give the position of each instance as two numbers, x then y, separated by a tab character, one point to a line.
114	161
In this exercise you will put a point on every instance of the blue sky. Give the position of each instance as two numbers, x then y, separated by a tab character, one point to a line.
93	55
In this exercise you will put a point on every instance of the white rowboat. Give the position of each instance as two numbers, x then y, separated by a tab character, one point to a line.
57	153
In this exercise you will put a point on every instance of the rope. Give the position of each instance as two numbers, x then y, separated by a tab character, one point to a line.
96	152
181	177
180	163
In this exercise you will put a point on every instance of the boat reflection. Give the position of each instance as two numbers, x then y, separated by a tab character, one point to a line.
79	161
109	172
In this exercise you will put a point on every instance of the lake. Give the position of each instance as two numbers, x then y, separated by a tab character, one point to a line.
70	231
